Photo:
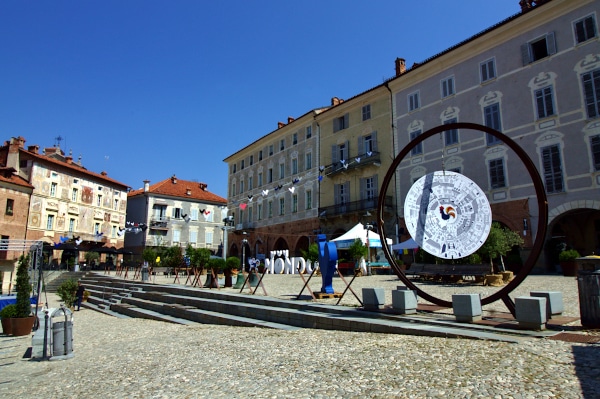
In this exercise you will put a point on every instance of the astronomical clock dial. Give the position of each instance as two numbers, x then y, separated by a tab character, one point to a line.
447	214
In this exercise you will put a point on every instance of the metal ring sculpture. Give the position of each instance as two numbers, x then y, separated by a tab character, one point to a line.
541	225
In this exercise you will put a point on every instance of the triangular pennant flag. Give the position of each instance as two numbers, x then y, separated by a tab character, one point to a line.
369	153
250	198
243	206
292	189
321	168
357	159
265	193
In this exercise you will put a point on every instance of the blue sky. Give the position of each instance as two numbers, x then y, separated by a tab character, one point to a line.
145	89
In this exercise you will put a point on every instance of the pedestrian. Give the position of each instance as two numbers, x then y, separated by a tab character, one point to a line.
79	294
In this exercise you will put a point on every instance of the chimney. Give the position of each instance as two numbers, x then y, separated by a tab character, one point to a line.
69	158
12	158
103	173
336	101
188	191
400	66
33	148
290	119
203	186
280	125
146	186
174	179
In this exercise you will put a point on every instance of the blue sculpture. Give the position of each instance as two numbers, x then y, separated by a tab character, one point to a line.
328	257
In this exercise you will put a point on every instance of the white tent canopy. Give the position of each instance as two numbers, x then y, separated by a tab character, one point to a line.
359	232
408	244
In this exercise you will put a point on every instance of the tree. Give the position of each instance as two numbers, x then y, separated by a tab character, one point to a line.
199	257
149	255
23	288
499	242
356	251
91	257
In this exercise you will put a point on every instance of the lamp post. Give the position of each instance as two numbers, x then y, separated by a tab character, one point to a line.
368	227
227	225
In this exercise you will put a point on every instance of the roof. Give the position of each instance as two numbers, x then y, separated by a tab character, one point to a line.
8	175
174	187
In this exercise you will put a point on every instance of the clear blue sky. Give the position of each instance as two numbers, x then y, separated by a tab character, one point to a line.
146	89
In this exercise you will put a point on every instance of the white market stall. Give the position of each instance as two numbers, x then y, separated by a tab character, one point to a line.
359	232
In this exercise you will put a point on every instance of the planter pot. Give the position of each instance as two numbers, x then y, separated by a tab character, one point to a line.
493	280
569	268
507	276
6	326
21	326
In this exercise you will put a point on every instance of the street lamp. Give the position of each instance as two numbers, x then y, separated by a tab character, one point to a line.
368	227
227	225
239	283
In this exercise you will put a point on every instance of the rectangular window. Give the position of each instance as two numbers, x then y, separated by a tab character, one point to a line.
260	155
591	91
295	166
71	225
308	199
369	144
234	168
491	115
242	164
281	170
210	217
595	145
260	181
241	186
74	194
308	132
251	160
366	112
53	189
50	222
194	214
99	200
176	236
281	206
282	145
539	48
233	188
413	101
113	232
447	87
418	149
193	237
116	208
487	70
496	168
271	150
584	29
176	213
544	102
250	214
308	161
259	212
451	136
208	237
270	175
343	122
295	138
294	203
551	163
250	181
4	246
341	193
270	210
10	204
370	189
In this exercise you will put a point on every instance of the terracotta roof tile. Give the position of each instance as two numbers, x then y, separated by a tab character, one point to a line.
174	187
8	175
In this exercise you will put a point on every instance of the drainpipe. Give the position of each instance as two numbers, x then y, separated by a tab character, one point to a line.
395	151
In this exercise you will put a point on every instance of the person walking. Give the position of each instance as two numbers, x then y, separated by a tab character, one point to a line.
79	294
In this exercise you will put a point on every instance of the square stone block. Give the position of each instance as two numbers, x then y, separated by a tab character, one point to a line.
531	312
466	307
554	302
405	288
373	298
404	301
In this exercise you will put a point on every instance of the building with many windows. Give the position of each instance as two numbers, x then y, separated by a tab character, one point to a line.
68	202
534	77
173	212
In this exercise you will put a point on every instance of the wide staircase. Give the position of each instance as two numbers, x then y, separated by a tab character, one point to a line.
188	306
54	279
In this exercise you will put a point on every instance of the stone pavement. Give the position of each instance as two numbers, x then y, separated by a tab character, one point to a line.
136	358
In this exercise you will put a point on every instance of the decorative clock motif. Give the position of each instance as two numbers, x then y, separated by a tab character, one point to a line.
447	214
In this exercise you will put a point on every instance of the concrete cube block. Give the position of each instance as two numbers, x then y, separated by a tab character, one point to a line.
404	301
554	302
466	307
403	287
373	298
531	312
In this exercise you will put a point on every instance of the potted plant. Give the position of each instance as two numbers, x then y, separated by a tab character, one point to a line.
7	314
232	264
356	251
23	321
312	254
66	291
216	266
568	263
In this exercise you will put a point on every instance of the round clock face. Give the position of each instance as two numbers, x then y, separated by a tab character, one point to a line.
447	214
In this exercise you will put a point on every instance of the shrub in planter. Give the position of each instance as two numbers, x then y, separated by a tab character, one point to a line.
66	291
6	314
23	321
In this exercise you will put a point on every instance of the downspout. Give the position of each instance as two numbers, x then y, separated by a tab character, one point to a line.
394	152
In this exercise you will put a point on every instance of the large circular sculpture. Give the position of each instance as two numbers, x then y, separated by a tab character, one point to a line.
541	203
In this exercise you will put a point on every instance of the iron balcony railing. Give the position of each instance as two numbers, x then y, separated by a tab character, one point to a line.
355	206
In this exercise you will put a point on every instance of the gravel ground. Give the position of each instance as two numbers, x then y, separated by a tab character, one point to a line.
135	358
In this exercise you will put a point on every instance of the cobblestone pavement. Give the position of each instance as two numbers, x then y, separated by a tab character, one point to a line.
135	358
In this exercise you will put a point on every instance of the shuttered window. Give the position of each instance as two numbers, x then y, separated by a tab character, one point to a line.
551	164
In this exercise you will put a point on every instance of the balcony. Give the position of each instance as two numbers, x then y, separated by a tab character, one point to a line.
372	158
356	206
159	223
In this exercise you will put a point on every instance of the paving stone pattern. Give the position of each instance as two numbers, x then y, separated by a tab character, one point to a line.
137	358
